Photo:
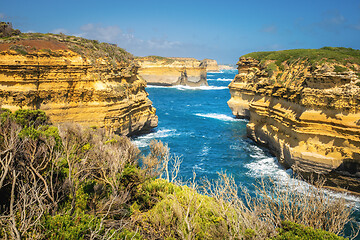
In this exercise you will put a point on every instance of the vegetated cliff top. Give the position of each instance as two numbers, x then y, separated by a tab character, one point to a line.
326	54
154	58
30	43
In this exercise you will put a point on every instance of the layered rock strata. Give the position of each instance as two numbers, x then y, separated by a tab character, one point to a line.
75	80
172	71
306	113
211	65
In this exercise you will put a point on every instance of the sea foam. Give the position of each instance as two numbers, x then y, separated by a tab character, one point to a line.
185	88
144	140
218	116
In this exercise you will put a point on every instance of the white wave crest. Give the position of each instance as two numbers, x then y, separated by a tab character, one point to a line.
222	79
184	88
218	116
265	166
144	140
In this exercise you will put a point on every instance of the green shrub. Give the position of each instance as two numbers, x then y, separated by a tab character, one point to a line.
5	114
28	118
271	68
327	54
340	69
249	234
19	49
293	231
64	226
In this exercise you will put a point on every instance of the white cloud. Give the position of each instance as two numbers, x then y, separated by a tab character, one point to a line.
127	40
356	26
332	21
60	30
106	34
157	45
269	29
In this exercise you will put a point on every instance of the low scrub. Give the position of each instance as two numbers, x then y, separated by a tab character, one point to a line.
325	54
70	182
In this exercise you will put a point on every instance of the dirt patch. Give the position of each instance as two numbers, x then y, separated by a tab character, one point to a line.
38	44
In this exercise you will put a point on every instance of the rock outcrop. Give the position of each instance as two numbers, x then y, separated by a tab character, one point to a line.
305	110
211	65
172	71
227	67
75	80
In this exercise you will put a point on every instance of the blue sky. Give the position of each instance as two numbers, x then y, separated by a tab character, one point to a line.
221	30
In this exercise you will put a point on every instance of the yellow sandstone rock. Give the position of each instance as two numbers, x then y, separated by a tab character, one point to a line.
211	65
172	71
82	87
308	115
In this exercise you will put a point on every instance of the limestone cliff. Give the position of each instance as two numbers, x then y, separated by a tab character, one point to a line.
227	67
172	71
211	65
304	105
75	80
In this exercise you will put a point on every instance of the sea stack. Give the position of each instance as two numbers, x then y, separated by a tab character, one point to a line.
164	71
211	65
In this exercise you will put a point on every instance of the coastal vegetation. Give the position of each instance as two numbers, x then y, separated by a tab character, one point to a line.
71	182
156	59
92	49
326	54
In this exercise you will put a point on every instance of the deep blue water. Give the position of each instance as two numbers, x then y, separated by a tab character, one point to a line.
198	125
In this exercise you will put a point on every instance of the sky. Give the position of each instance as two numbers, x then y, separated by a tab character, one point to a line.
221	30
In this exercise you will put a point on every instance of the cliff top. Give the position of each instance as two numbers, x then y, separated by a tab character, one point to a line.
30	43
155	59
326	54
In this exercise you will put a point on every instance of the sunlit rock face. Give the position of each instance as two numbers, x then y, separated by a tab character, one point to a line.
211	65
306	113
172	71
75	80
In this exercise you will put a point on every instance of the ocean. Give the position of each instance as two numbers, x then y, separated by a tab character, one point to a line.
198	126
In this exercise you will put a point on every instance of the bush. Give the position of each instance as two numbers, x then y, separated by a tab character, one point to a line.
328	54
339	69
78	183
293	231
64	226
31	118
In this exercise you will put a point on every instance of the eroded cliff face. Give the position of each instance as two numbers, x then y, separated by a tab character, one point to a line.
211	65
172	71
82	87
307	114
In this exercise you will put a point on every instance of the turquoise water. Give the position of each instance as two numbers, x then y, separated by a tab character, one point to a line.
198	125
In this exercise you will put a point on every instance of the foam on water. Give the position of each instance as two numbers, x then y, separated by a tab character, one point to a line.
184	88
221	117
265	166
222	79
144	140
210	139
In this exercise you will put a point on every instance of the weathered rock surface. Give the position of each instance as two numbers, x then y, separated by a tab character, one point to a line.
75	80
211	65
307	114
227	67
172	71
